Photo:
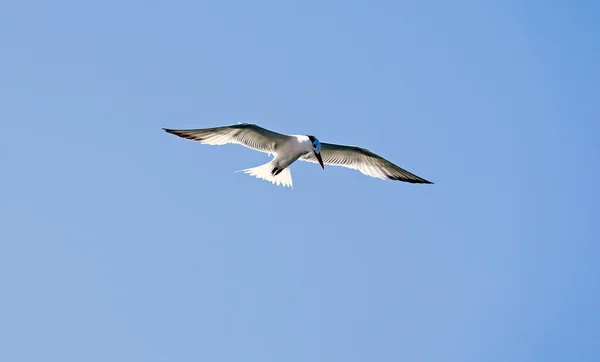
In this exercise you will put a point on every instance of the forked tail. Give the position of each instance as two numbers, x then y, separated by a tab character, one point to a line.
265	172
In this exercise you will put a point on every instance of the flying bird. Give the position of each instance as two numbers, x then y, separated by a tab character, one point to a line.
286	149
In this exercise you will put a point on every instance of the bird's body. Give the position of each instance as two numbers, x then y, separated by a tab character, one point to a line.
287	149
286	152
291	150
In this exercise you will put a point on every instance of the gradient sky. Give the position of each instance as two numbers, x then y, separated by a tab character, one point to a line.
119	242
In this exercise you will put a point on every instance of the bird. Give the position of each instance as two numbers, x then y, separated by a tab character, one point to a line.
287	149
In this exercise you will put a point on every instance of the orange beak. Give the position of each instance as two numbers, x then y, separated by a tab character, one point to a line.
318	156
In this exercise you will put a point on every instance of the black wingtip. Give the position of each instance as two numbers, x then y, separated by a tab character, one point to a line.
423	182
409	180
172	131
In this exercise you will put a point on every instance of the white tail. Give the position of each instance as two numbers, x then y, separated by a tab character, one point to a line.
284	178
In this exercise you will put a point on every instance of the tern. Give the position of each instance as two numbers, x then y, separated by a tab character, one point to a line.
286	149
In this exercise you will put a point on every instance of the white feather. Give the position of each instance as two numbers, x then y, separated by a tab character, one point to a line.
284	178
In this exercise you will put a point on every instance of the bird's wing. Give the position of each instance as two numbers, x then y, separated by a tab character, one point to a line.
363	160
249	135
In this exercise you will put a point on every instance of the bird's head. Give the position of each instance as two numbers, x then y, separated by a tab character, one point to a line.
316	148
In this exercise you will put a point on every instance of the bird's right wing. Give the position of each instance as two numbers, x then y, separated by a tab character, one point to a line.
249	135
363	160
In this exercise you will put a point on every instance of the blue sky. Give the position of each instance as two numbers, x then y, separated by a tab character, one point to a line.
120	242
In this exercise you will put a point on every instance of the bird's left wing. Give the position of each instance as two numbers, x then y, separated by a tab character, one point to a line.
249	135
363	160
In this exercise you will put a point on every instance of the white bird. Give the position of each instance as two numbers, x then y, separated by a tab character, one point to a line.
287	149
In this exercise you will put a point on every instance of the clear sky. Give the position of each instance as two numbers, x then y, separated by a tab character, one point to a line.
119	242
